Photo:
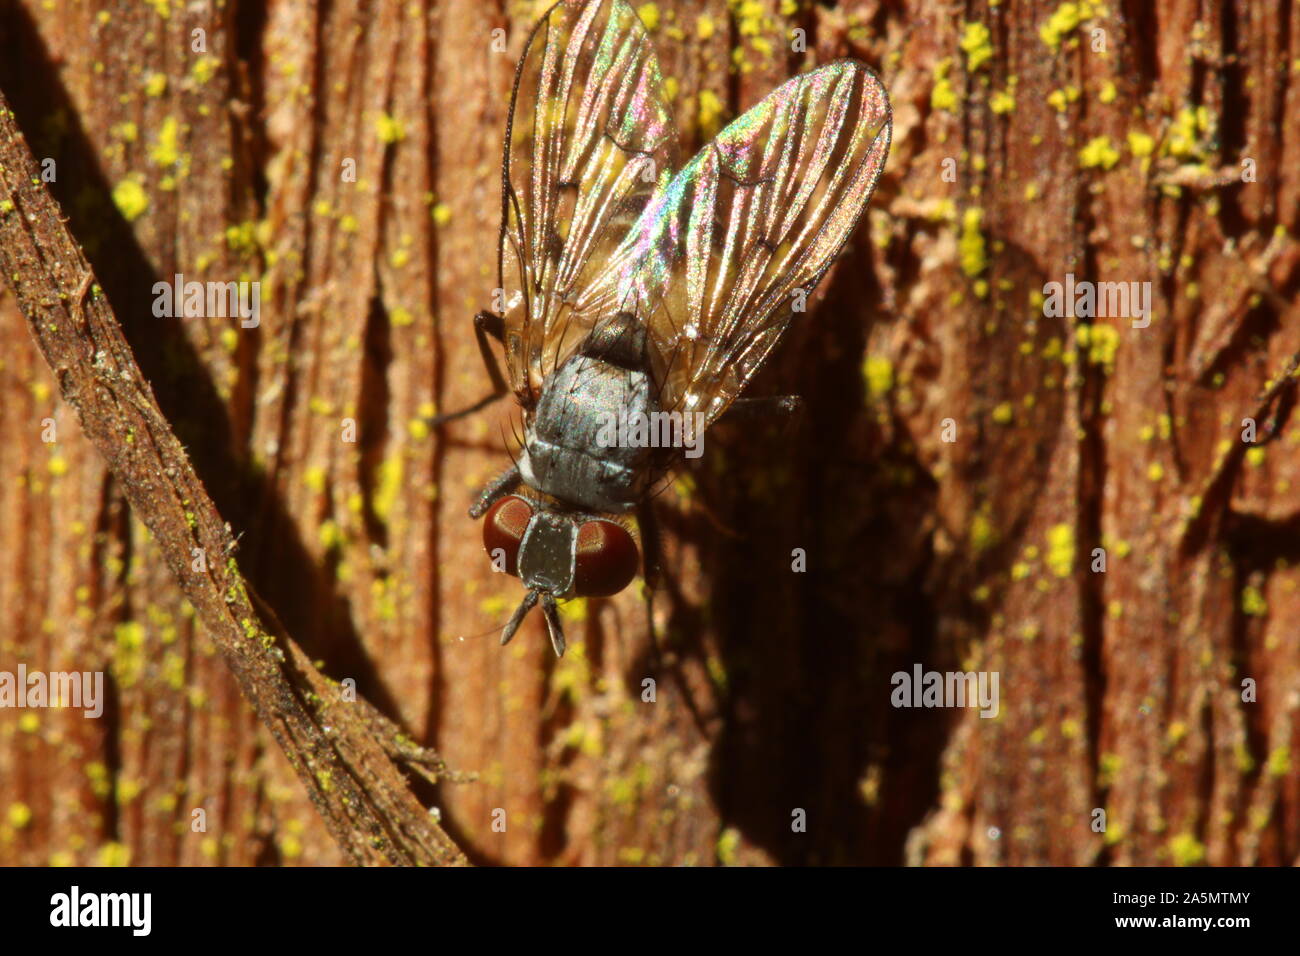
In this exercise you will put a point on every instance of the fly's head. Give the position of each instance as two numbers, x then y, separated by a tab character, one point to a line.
557	554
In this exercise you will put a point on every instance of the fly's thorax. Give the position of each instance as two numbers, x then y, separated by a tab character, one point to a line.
567	452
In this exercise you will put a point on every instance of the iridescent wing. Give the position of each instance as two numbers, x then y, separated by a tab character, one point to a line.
588	143
724	257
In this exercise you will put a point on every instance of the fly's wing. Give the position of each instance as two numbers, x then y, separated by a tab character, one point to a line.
724	257
588	143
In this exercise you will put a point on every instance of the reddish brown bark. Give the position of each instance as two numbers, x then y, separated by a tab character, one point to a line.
1120	691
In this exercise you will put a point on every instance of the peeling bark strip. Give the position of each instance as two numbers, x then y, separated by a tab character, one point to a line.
339	753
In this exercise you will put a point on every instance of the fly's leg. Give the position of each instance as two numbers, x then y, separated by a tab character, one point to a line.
651	545
784	405
651	570
494	490
485	324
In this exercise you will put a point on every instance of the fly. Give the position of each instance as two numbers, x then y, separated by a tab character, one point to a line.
635	290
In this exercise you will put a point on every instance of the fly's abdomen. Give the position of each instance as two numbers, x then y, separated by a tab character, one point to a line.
573	449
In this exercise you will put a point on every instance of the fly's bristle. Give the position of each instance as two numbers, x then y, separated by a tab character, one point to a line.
514	430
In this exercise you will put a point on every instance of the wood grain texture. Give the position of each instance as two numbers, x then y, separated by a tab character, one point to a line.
1119	691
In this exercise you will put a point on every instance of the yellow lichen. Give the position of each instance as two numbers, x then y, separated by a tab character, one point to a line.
1064	20
1102	342
131	199
1252	602
20	814
1279	762
389	128
970	246
1186	850
1099	152
879	374
165	151
388	485
114	854
649	14
1060	550
710	113
1184	137
976	43
205	67
943	96
982	533
314	478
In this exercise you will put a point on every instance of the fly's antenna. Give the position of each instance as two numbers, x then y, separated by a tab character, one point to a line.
526	605
553	625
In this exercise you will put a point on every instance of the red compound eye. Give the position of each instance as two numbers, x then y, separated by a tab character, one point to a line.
503	530
607	559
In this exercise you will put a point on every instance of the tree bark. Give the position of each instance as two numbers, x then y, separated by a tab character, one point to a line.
1127	142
